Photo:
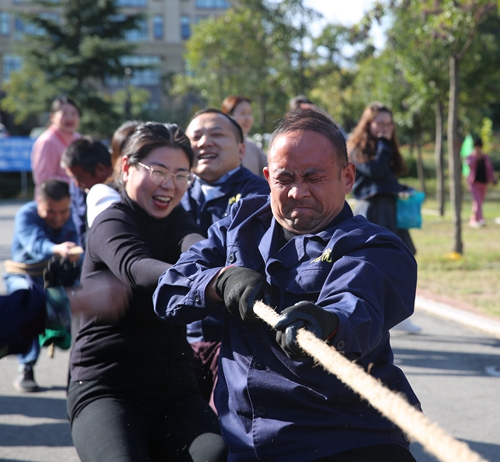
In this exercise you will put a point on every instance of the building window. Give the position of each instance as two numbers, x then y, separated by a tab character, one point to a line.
185	27
4	23
138	35
21	27
212	4
140	3
18	28
146	69
200	17
11	63
158	27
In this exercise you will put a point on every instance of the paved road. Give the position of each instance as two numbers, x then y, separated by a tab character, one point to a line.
447	365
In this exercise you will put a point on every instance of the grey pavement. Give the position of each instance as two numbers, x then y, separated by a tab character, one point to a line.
451	365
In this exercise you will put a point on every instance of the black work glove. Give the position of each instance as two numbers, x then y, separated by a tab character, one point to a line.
60	272
311	317
240	288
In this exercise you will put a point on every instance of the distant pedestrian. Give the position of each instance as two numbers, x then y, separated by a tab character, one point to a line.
303	102
373	147
50	145
480	175
240	108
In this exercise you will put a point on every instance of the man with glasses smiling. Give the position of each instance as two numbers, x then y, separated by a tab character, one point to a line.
303	252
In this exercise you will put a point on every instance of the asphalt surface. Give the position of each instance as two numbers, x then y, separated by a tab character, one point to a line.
453	365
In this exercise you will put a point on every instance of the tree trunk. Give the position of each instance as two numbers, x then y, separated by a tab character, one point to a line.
454	160
420	160
439	157
262	115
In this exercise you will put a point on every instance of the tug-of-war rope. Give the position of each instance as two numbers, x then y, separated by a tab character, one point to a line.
391	405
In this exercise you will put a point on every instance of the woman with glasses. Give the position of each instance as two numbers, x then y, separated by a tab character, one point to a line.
374	149
133	395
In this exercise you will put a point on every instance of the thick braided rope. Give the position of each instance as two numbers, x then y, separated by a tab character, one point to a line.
391	405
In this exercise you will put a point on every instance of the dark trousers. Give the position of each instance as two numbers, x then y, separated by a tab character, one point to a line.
206	363
136	426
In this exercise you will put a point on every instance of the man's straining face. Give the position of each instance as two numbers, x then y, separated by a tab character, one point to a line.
308	184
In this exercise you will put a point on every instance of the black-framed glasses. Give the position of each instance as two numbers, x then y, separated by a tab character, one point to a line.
160	175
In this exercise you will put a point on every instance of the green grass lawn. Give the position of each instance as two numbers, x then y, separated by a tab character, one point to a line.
474	278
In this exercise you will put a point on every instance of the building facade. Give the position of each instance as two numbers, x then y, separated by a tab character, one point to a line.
159	42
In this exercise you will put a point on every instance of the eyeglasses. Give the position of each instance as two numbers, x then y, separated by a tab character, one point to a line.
384	124
160	175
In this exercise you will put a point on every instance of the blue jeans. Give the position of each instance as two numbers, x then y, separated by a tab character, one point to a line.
12	283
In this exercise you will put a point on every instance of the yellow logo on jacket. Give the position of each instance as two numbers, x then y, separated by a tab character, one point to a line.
325	256
234	199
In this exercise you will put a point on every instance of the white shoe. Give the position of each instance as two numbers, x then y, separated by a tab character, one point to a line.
407	326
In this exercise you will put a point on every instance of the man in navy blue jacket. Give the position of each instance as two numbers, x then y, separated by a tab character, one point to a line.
220	181
345	279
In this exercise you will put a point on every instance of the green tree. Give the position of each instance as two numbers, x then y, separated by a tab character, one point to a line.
71	48
480	76
333	72
257	49
455	23
423	63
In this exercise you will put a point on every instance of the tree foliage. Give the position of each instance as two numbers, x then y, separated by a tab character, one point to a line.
256	49
71	48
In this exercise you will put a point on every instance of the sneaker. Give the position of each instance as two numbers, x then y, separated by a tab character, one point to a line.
407	326
26	380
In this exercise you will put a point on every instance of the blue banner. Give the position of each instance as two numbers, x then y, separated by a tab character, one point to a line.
15	154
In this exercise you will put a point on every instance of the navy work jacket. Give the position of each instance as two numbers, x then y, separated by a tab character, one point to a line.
242	183
376	176
274	408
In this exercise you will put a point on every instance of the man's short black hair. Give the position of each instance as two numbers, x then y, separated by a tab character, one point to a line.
235	125
56	190
313	121
86	153
478	141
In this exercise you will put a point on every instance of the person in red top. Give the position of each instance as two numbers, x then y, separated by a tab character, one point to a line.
50	145
480	175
